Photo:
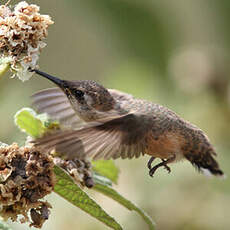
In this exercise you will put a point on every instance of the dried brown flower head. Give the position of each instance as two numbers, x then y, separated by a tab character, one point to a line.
26	176
22	32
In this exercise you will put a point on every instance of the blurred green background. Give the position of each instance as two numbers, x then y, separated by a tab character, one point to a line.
175	53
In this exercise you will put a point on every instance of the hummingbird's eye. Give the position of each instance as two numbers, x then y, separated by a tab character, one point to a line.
78	93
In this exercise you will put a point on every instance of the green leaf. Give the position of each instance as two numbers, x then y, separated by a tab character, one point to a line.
66	188
27	121
97	178
4	64
110	192
106	168
4	225
47	122
4	68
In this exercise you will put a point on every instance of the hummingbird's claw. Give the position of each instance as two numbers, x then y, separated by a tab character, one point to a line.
152	171
163	163
149	164
166	166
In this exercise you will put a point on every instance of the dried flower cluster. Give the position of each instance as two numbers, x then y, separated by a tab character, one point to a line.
26	176
80	170
22	32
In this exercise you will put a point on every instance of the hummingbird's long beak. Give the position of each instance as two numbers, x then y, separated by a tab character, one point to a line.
55	80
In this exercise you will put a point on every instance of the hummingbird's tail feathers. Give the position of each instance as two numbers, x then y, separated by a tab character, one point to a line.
55	103
205	163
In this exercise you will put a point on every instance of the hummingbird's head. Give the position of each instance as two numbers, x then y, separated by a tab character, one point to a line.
89	99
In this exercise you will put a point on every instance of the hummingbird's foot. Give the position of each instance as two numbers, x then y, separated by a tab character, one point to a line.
163	163
149	164
166	166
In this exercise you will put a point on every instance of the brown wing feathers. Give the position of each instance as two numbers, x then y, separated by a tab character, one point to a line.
112	139
55	103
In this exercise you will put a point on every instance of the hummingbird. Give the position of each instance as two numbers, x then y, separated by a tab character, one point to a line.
105	123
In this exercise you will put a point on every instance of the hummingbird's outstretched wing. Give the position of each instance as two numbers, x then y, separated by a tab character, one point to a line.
55	103
121	137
